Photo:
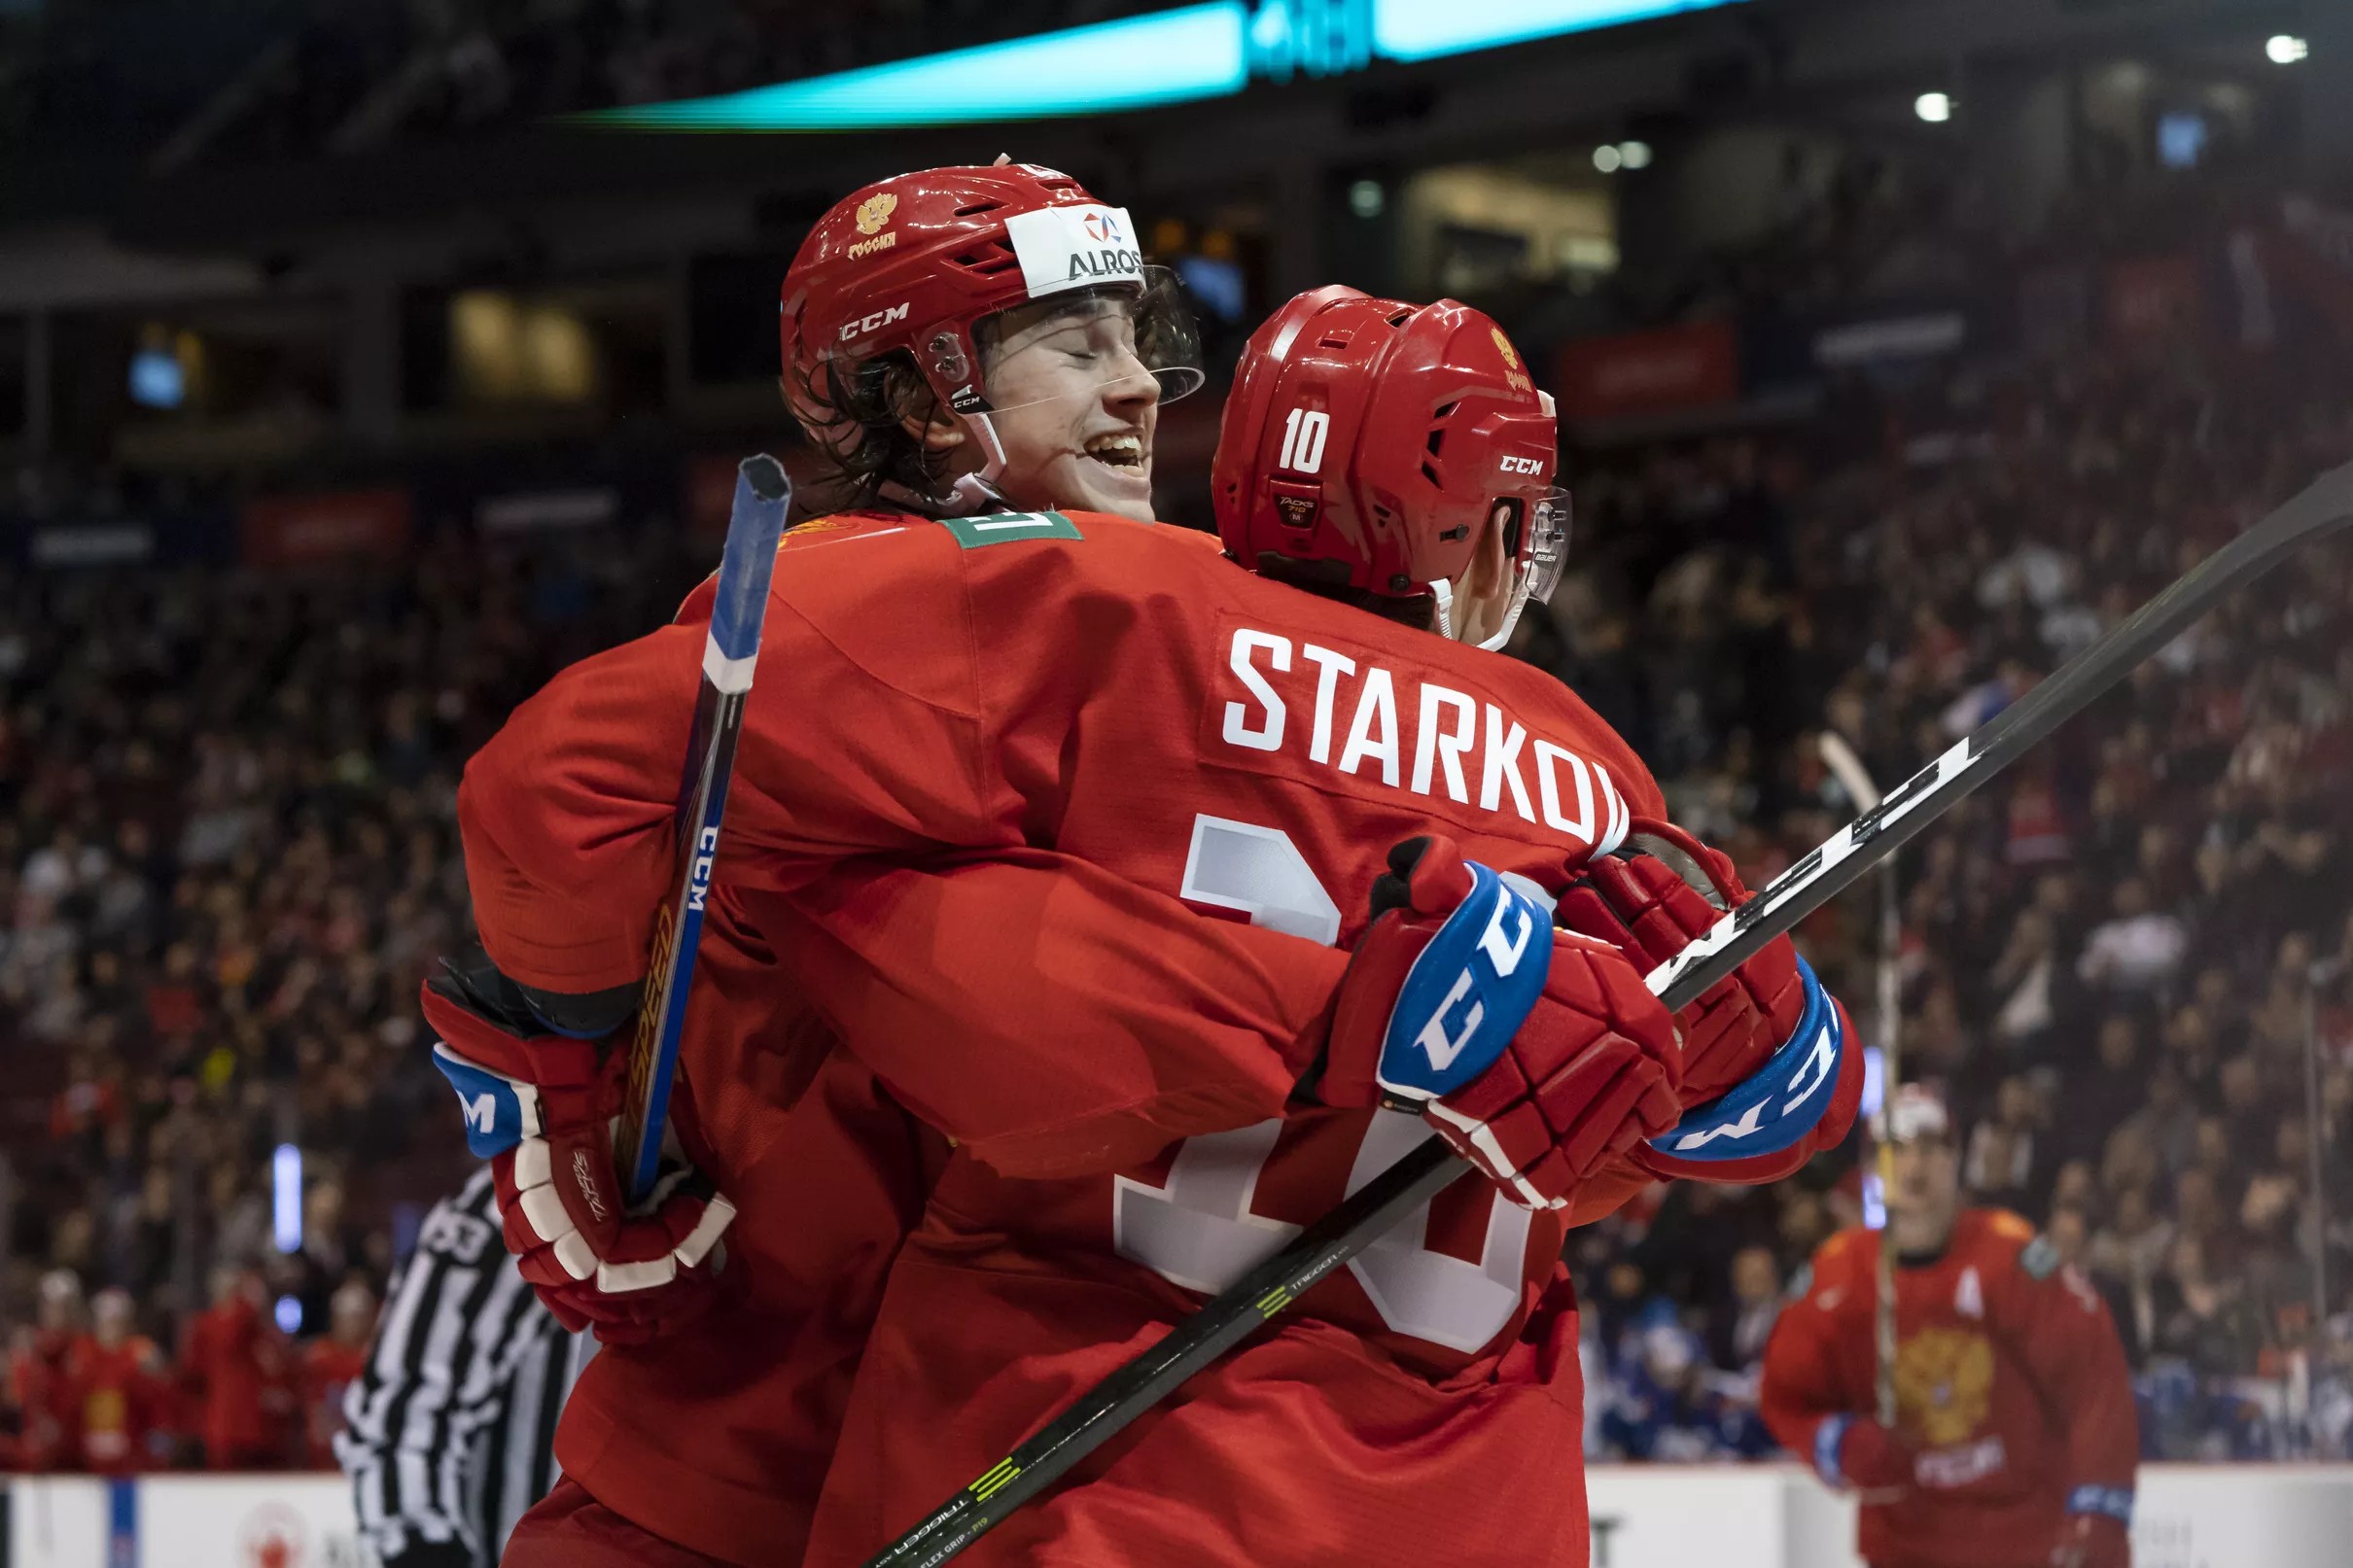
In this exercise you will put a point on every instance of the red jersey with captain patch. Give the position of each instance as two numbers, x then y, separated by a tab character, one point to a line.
2010	1383
1065	824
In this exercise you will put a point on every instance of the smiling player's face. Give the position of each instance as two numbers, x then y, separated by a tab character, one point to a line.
1075	408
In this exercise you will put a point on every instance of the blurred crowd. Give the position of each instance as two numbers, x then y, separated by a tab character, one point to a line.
227	859
2128	962
91	1392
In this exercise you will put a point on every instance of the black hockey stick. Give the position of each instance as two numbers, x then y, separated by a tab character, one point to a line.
2325	507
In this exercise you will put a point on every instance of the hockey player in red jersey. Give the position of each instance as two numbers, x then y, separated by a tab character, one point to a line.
2015	1440
121	1398
329	1365
48	1437
1019	757
714	1435
1259	741
233	1368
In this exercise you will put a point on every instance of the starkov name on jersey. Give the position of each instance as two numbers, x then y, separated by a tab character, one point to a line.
1355	717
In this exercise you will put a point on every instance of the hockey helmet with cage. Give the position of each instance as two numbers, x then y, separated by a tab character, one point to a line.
913	266
1366	443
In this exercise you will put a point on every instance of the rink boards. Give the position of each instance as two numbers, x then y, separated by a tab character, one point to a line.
1644	1516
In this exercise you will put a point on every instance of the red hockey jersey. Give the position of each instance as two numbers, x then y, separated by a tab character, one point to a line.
2010	1382
48	1437
329	1367
996	772
234	1365
121	1400
718	1436
720	1439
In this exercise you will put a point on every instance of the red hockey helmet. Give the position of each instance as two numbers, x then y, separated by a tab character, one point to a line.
917	262
1367	441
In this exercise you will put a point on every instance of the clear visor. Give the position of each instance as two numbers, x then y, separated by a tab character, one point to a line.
1542	556
1546	557
1113	338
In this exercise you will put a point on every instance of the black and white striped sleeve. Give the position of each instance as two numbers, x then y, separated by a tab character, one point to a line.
448	1433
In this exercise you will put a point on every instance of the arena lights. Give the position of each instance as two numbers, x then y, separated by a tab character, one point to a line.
2286	49
1197	51
1934	107
1611	157
1169	56
286	1197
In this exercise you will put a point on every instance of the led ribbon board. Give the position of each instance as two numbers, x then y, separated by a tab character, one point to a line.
1185	55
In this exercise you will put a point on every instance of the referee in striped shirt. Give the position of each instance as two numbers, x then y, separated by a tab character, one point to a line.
448	1435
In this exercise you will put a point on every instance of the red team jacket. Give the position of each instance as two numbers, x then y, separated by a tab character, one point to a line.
47	1437
2010	1382
120	1400
232	1369
996	770
329	1368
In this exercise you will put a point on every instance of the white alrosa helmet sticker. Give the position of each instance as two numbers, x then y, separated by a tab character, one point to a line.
1064	248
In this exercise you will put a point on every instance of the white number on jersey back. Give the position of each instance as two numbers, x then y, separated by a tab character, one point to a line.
1198	1229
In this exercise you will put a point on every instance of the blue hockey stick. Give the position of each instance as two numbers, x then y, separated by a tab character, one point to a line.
738	613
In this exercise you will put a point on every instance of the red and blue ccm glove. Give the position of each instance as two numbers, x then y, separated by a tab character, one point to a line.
1538	1054
1767	1071
1855	1451
540	1105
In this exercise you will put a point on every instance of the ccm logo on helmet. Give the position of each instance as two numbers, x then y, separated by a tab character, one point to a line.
874	323
1524	465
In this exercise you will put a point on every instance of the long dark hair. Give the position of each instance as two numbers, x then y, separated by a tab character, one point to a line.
878	396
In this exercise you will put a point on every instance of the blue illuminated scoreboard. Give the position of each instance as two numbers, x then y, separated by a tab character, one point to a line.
1284	39
1194	52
